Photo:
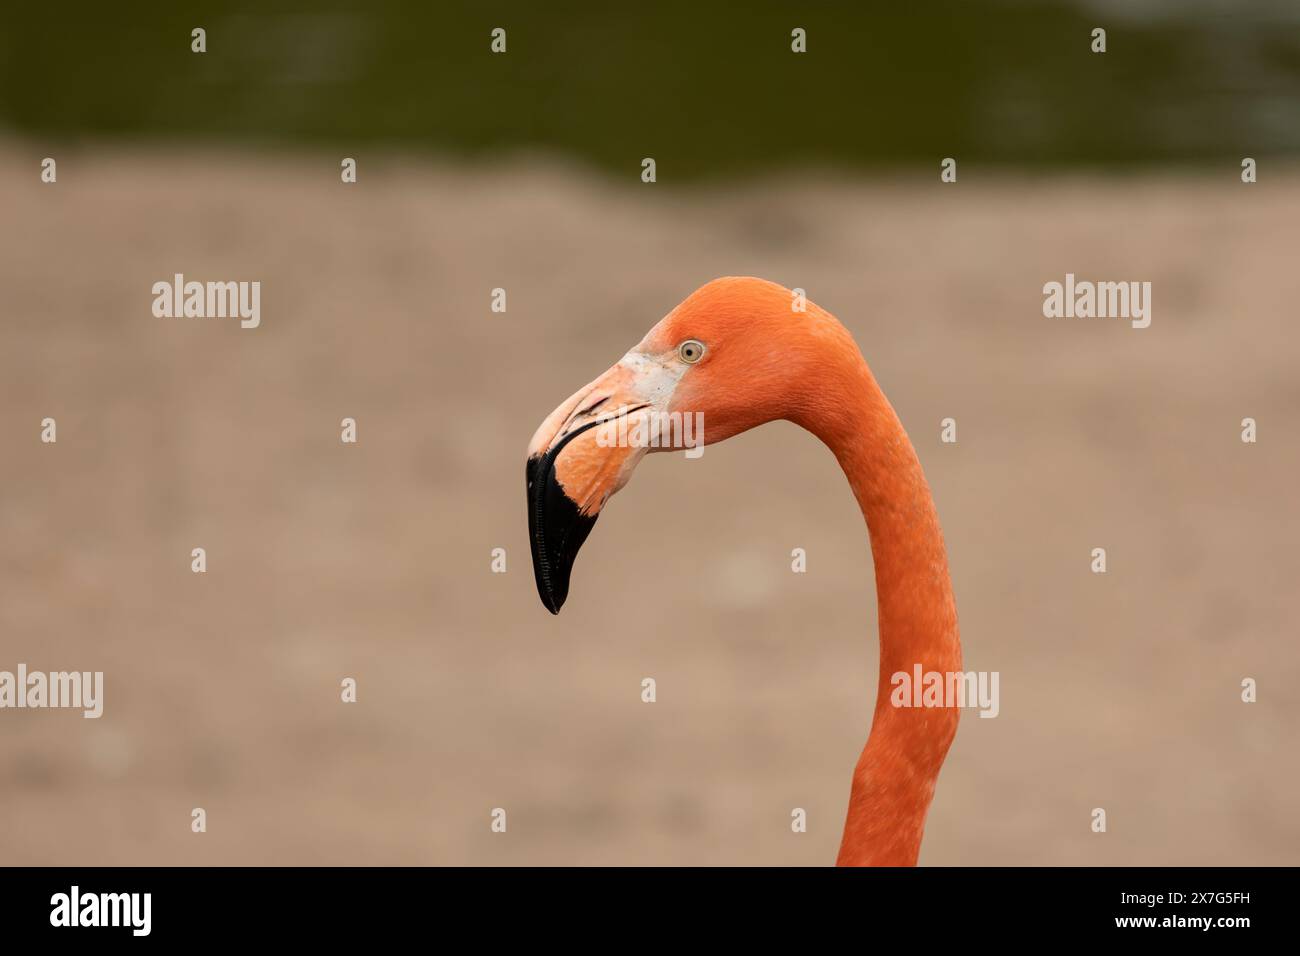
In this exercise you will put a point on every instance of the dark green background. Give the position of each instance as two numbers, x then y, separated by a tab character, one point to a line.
707	90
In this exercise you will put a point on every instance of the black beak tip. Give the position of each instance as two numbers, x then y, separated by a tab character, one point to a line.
556	530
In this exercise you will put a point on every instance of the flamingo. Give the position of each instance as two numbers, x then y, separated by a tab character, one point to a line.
736	351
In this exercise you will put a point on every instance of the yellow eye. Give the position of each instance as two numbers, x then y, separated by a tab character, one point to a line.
691	351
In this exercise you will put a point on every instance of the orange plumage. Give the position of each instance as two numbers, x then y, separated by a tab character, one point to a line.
764	361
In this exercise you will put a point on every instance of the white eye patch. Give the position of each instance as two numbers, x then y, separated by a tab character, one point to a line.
656	376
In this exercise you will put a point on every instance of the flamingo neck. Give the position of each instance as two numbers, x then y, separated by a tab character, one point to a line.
894	780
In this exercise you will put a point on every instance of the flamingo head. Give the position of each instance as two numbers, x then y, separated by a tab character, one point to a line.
733	355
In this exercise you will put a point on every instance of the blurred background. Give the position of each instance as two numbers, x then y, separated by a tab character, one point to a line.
522	171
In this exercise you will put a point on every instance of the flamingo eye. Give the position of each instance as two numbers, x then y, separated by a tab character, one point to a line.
691	351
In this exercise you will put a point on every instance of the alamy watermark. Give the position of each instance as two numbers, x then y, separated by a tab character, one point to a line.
1101	300
642	428
38	689
922	688
209	300
75	908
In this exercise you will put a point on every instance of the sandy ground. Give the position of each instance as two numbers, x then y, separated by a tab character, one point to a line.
372	561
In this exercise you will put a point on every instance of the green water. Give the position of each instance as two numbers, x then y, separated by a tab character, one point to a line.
707	91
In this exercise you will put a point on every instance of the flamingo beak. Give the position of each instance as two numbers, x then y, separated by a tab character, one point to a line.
574	468
556	527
